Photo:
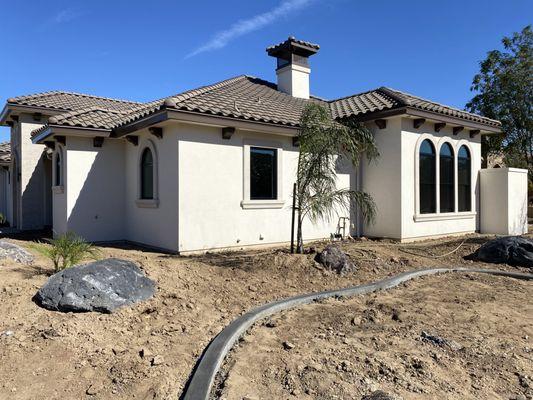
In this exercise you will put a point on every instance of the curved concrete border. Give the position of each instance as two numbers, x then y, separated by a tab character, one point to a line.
203	376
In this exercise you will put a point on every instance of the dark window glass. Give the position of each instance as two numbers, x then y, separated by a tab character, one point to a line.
447	184
427	176
147	175
58	169
464	177
263	174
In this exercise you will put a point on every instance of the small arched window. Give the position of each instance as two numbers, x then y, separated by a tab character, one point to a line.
464	177
147	174
57	168
427	178
447	179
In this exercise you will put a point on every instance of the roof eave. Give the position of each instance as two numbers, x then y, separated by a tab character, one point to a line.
4	115
69	131
414	112
204	119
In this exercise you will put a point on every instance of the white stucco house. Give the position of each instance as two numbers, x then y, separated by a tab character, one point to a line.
213	167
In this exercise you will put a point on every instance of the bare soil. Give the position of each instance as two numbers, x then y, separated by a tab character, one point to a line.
148	351
479	347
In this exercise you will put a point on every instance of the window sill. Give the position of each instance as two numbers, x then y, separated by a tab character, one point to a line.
260	204
147	203
445	216
58	189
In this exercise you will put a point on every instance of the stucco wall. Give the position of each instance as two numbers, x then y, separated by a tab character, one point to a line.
153	226
382	180
414	225
211	182
32	213
91	202
503	201
4	190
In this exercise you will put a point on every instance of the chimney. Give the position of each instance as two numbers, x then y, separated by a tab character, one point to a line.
293	65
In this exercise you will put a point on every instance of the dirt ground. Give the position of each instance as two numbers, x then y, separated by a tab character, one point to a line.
148	351
348	348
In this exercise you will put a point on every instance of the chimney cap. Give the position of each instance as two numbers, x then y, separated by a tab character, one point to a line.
292	46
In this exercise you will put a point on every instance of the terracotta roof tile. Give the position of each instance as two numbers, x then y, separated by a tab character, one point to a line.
242	97
388	99
69	101
5	152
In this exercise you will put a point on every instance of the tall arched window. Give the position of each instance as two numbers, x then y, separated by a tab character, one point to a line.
447	179
57	168
464	177
147	174
427	178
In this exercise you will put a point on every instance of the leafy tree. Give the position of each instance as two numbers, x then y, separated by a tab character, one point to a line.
504	89
323	144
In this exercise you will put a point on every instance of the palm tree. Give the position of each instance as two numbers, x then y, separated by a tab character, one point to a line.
323	143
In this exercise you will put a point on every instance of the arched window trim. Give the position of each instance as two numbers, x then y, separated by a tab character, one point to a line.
437	143
458	146
154	202
421	140
59	153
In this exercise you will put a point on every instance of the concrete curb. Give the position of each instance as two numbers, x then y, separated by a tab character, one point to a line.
202	378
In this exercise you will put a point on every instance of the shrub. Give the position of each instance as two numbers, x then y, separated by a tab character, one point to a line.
3	220
67	250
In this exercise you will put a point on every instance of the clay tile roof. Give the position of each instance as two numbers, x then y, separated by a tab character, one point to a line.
69	101
242	97
388	99
5	152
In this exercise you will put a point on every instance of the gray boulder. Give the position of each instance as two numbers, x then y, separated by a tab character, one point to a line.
512	250
335	259
101	286
16	253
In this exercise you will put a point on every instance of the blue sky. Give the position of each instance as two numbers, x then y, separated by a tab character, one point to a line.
143	50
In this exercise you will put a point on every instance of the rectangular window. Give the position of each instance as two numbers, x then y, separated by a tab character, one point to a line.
263	174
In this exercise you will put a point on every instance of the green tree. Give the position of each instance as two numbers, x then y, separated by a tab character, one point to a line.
504	89
324	143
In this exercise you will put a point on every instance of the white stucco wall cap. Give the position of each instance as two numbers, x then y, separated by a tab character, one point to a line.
503	170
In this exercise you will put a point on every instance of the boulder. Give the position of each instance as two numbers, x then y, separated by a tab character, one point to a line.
101	286
333	258
16	253
512	250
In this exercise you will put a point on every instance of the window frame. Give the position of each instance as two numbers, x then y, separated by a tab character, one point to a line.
154	201
470	180
247	202
419	185
58	181
438	216
453	159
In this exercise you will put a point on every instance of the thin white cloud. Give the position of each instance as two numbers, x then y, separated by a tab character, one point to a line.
62	17
240	28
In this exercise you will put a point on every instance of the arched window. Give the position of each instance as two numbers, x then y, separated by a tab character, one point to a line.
464	176
427	178
147	174
447	179
57	168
